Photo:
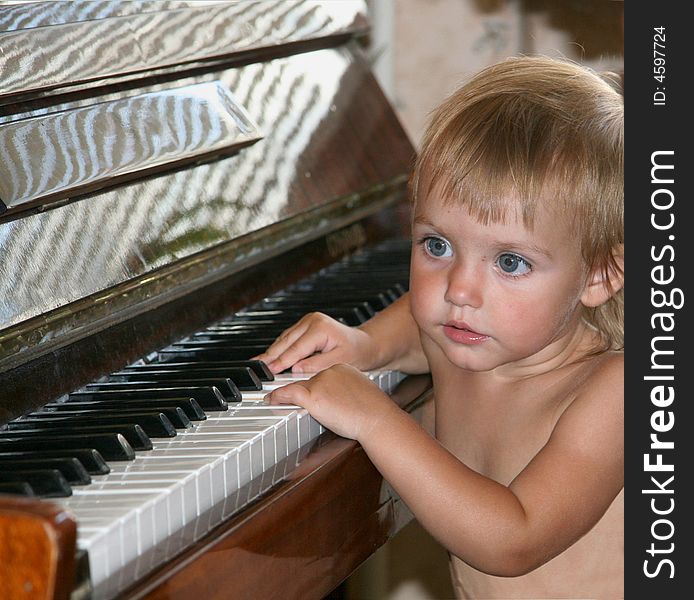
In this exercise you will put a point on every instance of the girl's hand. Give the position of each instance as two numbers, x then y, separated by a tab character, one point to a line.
317	342
341	399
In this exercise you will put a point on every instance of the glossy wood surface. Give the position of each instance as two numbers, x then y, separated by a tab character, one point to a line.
303	538
37	550
329	135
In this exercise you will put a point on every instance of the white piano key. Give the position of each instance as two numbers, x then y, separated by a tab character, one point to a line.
145	465
115	503
99	564
290	415
272	430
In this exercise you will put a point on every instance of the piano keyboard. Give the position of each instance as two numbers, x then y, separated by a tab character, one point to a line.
147	510
171	446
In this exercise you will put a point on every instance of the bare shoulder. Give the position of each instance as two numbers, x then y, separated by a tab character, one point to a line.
596	413
604	381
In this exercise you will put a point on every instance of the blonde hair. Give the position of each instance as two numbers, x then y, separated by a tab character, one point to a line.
536	129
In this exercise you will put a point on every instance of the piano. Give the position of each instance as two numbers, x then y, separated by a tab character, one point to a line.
180	181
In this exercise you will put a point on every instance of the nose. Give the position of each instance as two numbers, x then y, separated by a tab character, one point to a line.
464	286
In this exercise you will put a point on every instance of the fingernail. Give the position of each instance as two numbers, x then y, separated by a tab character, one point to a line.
297	369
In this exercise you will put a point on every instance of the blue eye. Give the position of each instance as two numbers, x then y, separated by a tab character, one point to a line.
437	247
512	264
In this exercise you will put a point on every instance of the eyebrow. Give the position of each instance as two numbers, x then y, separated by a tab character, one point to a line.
424	221
521	247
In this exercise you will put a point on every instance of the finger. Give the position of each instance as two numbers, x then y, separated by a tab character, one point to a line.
313	339
283	341
294	393
306	346
317	362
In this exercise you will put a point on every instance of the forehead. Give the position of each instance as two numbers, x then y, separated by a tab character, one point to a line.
548	226
502	206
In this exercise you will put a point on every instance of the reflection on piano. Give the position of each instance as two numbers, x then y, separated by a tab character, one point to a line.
179	182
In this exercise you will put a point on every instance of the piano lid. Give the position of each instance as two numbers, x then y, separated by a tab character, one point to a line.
65	154
50	45
331	152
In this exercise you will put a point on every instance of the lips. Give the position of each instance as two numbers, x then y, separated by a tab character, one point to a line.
461	333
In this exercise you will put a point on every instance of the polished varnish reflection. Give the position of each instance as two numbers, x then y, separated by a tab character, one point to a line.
327	131
60	155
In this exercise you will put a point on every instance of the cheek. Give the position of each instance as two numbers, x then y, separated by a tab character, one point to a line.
417	298
423	292
526	314
520	312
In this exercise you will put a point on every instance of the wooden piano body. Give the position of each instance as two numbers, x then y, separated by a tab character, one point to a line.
162	165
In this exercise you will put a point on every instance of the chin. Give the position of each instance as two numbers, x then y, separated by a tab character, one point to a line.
470	359
475	358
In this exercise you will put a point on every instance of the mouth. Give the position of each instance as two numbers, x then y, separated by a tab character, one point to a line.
462	333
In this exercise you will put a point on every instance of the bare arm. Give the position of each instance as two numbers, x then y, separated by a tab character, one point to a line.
389	340
504	530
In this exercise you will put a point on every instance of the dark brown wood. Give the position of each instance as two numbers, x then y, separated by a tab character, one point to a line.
37	550
303	538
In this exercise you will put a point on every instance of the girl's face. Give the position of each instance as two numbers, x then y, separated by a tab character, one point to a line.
497	294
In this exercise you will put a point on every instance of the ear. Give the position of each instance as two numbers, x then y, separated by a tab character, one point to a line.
600	287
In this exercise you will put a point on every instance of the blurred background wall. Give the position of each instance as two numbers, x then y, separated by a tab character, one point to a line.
421	51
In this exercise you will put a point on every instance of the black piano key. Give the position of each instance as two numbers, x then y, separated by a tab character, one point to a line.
214	399
249	330
91	460
16	488
308	303
257	366
364	277
243	377
71	468
243	339
133	433
261	326
161	421
183	354
351	315
143	399
49	483
392	292
376	297
237	324
266	316
111	446
222	342
355	283
360	309
228	351
154	424
226	386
